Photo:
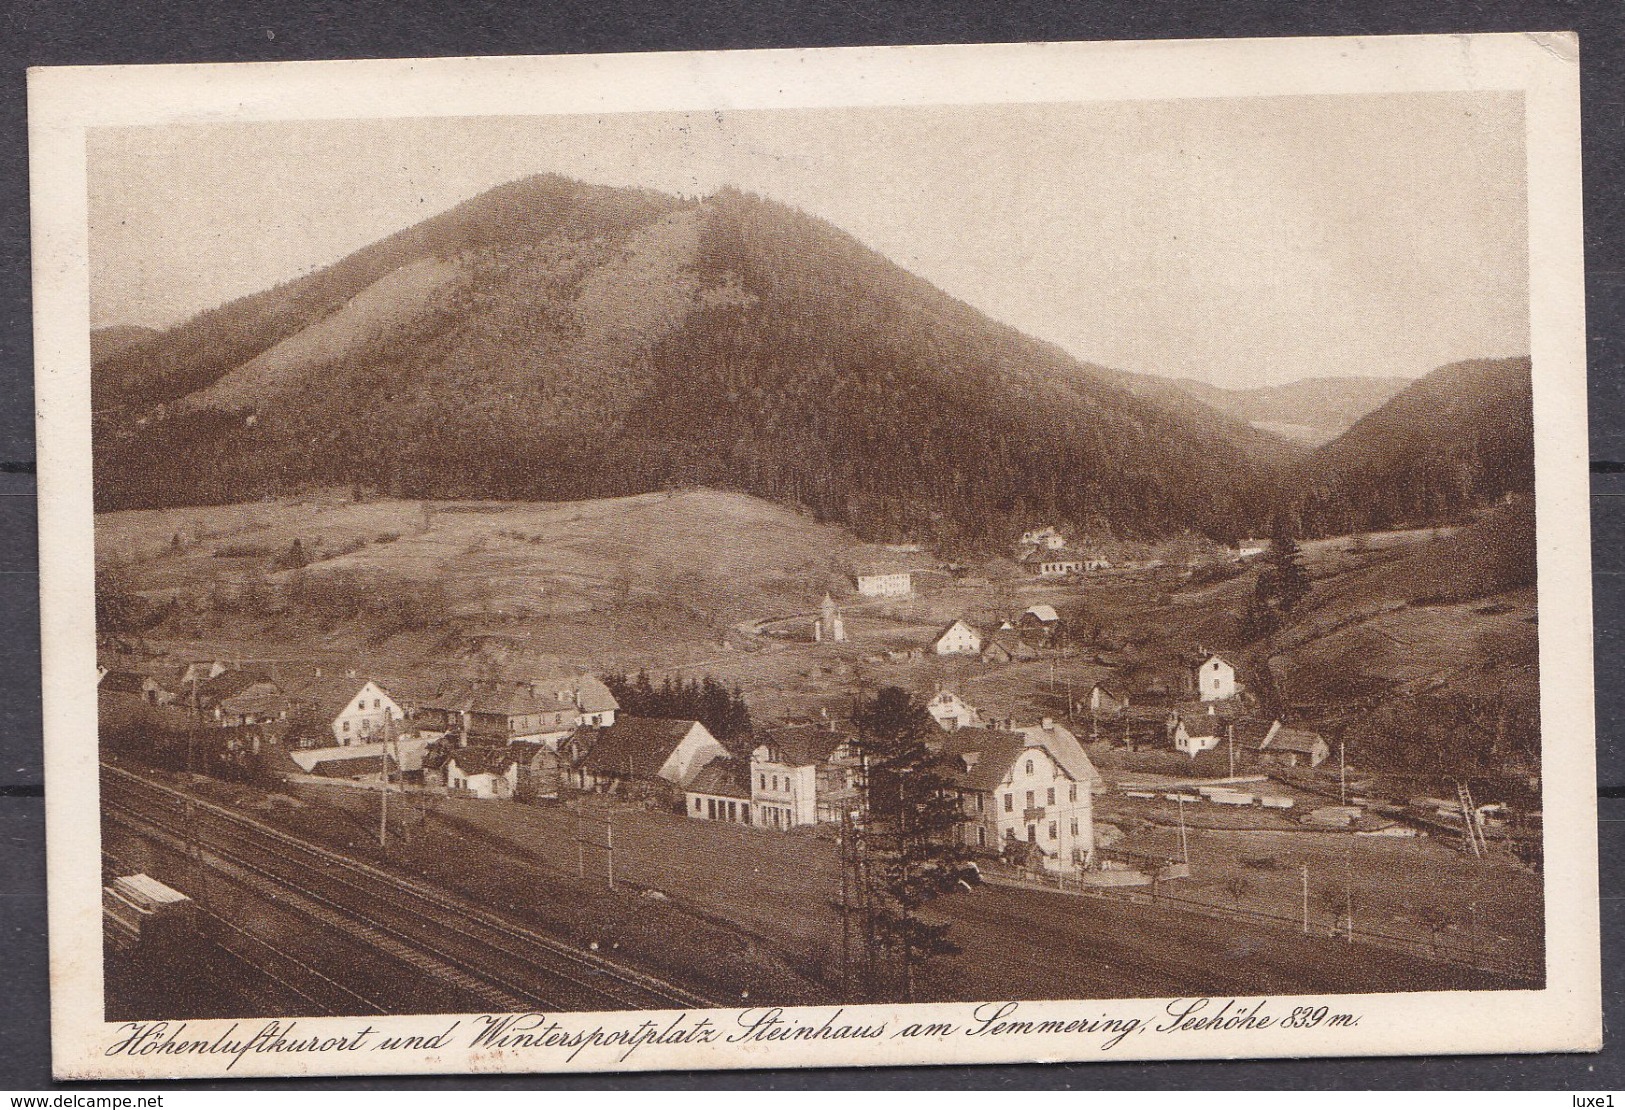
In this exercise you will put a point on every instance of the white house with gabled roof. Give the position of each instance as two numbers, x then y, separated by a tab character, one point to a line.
1215	679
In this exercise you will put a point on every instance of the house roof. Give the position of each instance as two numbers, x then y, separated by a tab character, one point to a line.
636	747
1293	740
592	696
479	760
211	691
522	699
1200	724
1063	745
343	767
1045	613
950	626
1011	642
330	695
979	758
723	777
255	702
802	745
123	682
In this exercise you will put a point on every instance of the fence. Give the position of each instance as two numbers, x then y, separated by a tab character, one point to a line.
1476	958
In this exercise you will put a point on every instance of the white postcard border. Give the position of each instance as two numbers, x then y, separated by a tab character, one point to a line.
65	102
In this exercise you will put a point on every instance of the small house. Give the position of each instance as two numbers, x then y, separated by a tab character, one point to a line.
951	711
1059	565
1196	733
720	792
957	637
1007	646
1215	679
1293	747
482	772
649	750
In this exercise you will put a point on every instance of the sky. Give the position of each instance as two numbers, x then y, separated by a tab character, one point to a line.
1240	242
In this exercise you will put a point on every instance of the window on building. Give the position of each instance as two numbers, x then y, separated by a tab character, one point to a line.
981	836
978	803
1072	793
764	781
697	806
711	808
1032	834
1074	826
1053	831
1049	796
1029	799
732	813
744	811
361	704
1009	802
375	703
346	726
1029	766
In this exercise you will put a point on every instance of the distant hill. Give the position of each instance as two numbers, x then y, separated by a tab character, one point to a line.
1311	411
1457	439
552	340
108	341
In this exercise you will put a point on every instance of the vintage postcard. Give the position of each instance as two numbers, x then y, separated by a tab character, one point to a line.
796	558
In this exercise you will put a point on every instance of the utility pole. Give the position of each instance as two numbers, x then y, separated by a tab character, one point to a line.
383	795
1306	899
609	846
1342	772
1230	733
1184	845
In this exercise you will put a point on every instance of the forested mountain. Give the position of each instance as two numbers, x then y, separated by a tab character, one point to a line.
109	341
1457	439
552	340
1310	410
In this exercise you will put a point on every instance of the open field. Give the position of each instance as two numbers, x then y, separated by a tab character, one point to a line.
757	910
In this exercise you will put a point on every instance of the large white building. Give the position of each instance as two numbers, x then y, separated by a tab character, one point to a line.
1029	791
362	718
885	583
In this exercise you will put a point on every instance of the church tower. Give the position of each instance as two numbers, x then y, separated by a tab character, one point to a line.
829	627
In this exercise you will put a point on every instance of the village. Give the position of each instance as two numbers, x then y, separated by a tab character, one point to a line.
1075	771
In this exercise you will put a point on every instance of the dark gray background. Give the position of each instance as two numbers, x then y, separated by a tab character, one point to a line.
51	32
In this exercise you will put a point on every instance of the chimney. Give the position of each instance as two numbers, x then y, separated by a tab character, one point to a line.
1049	723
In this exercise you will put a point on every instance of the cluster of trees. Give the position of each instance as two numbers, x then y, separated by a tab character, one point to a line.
902	851
721	710
1282	584
1457	734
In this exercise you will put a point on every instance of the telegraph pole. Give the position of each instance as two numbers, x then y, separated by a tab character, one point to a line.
609	845
1306	899
1230	731
1184	845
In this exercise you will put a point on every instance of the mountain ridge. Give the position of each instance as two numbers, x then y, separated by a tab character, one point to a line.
551	340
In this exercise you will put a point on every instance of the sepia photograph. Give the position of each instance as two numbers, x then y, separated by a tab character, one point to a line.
815	564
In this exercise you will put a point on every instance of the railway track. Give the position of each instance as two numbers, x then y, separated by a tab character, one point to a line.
317	990
507	965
